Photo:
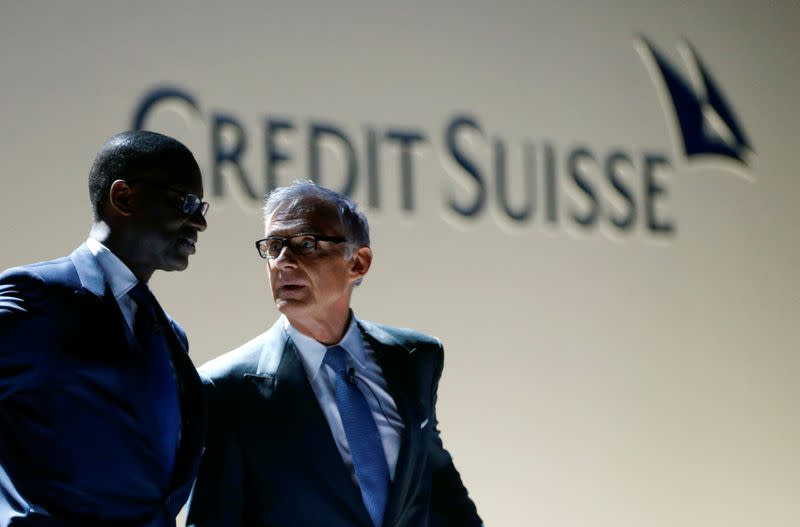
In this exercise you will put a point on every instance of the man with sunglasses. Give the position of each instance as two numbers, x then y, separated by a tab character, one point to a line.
325	420
102	413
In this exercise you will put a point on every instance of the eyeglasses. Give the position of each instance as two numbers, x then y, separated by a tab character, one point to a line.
190	204
272	246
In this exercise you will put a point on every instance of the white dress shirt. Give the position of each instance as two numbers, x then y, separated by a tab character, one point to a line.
118	276
361	357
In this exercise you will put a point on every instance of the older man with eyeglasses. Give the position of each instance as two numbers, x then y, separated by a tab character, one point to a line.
325	420
102	413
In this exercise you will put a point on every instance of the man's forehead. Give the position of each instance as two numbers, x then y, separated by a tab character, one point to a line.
309	215
184	178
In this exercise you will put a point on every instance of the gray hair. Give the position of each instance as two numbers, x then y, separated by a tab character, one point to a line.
352	219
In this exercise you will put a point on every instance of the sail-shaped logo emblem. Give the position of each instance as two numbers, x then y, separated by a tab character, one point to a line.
705	120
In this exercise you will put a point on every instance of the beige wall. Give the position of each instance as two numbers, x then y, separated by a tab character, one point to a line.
592	377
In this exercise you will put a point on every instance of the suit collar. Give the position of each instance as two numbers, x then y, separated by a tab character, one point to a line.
89	271
93	279
383	337
274	341
312	352
272	350
390	352
118	276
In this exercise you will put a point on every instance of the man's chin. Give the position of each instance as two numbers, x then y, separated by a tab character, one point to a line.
179	263
289	306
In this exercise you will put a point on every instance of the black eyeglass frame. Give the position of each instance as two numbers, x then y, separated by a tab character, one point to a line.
190	203
286	243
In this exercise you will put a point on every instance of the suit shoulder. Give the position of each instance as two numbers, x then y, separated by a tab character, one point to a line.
20	289
51	271
409	338
234	364
24	287
22	275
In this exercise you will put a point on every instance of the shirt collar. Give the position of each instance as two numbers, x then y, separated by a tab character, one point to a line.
312	352
119	277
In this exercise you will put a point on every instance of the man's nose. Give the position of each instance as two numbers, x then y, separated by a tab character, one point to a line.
198	221
285	257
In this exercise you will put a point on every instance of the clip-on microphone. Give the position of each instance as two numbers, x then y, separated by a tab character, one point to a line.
351	379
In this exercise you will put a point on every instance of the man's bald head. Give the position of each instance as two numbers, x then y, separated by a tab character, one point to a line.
135	155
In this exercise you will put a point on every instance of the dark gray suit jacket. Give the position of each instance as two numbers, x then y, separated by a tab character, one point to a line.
271	459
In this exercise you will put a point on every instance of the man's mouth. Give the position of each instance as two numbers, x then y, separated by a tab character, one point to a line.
187	244
290	287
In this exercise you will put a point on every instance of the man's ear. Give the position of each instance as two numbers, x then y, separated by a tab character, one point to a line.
360	262
120	198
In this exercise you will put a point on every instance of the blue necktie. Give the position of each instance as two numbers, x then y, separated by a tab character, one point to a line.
369	460
162	386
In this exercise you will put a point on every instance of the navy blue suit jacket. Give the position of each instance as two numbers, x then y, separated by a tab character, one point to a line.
271	460
77	437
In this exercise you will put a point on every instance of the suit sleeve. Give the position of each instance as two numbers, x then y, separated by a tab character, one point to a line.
451	505
23	333
217	497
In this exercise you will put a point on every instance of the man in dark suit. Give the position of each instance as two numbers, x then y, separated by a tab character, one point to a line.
325	420
101	411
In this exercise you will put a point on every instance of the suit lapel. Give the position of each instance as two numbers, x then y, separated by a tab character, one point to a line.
193	419
282	383
93	284
393	358
191	394
90	273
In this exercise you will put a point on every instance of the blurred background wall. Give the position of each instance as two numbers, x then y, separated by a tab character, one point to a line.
619	318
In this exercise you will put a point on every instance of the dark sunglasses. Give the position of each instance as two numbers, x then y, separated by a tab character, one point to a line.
190	204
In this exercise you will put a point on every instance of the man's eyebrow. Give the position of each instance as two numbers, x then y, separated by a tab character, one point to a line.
288	233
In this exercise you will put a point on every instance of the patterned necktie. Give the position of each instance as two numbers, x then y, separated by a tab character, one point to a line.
369	459
150	334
